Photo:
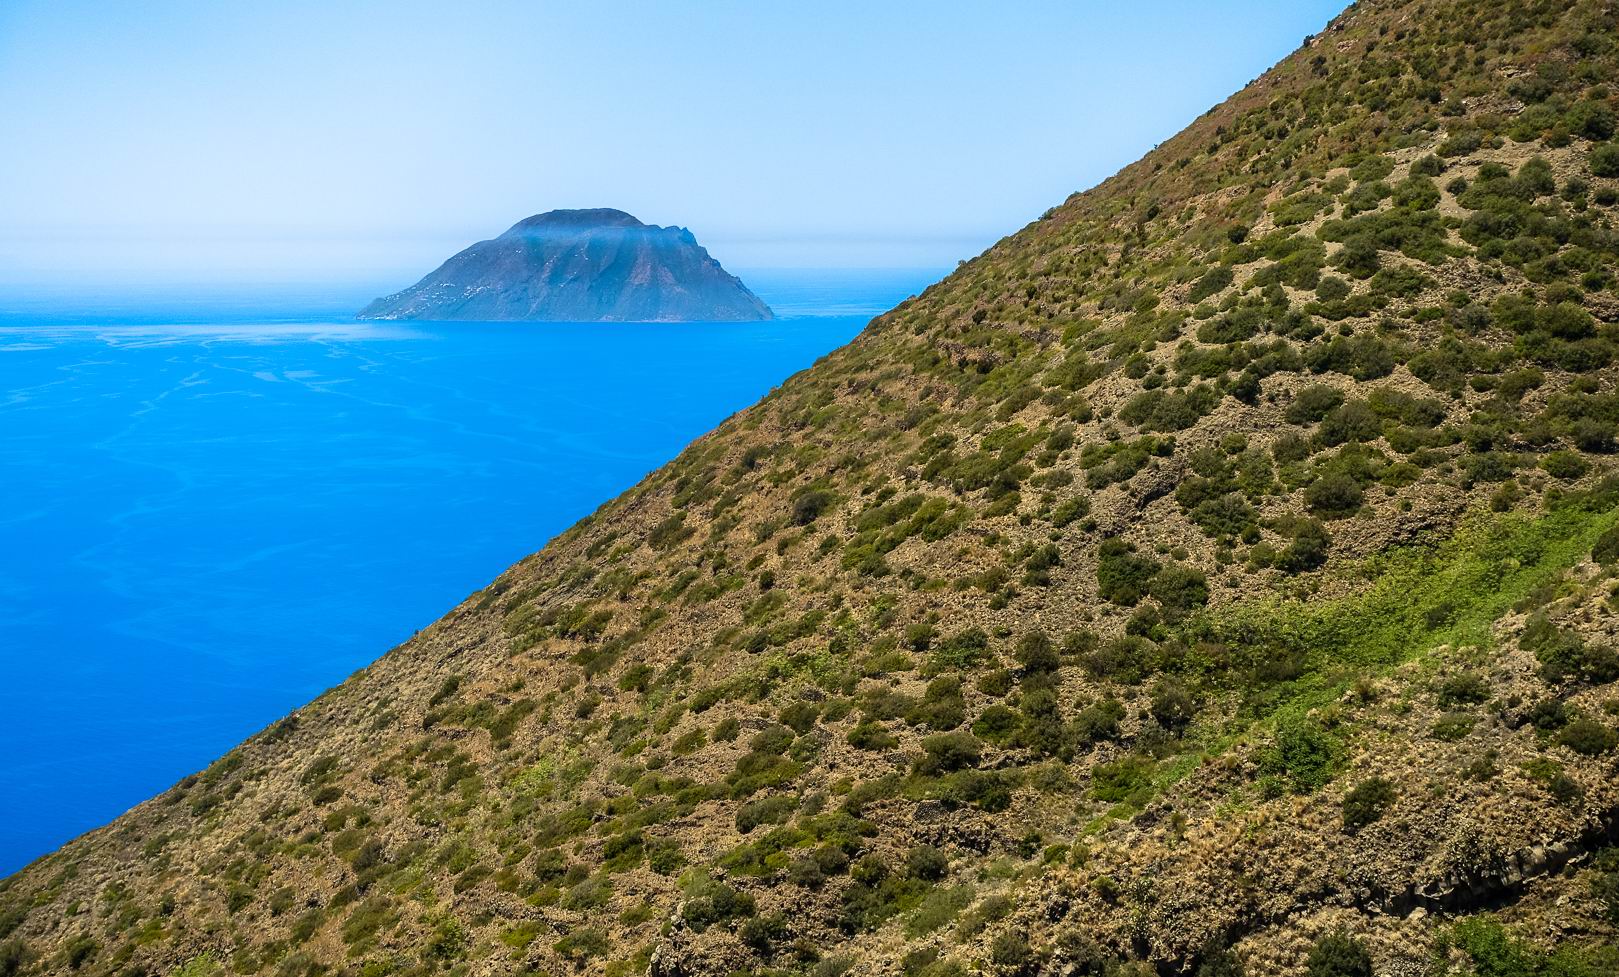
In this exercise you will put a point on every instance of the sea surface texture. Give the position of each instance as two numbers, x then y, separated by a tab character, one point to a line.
216	506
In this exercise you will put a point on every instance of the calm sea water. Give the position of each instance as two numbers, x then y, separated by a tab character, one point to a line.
214	506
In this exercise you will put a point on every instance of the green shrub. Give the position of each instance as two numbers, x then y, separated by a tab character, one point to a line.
1604	884
1334	494
811	505
959	652
1588	737
941	707
448	941
1606	549
945	752
1010	950
1242	322
583	944
688	742
304	927
1302	752
367	921
1163	410
1354	421
591	892
877	894
772	739
1565	465
1459	144
80	950
1549	714
834	966
1036	653
1126	778
1069	510
1308	548
669	532
800	716
1361	357
1313	403
985	790
471	876
1591	119
14	956
1219	960
937	909
768	810
1225	515
1179	588
1452	726
1368	801
1463	689
996	724
1122	576
1127	659
1215	280
1098	722
1563	655
919	636
1359	257
927	863
664	857
1172	705
1605	160
709	902
761	933
1332	289
1366	197
758	770
1338	955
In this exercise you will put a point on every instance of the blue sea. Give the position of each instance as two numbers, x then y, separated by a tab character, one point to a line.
217	504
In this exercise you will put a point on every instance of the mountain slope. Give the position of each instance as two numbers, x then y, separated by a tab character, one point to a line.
578	266
1217	575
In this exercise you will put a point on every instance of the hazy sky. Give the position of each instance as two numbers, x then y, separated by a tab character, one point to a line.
310	140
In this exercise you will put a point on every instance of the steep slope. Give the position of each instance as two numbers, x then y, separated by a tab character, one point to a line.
1216	576
578	266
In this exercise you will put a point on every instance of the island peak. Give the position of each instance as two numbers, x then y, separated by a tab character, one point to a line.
587	265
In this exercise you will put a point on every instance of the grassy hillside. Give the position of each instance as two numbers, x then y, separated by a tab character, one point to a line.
1216	576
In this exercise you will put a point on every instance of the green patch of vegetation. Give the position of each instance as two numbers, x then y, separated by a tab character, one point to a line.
583	945
1453	726
1213	281
1420	597
1368	801
1285	657
201	965
877	893
1588	737
710	902
1491	951
1125	780
937	909
1301	752
1338	955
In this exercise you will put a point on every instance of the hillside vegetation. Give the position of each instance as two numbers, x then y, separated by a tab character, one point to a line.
1217	576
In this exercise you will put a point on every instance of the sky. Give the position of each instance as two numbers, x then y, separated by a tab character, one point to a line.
344	140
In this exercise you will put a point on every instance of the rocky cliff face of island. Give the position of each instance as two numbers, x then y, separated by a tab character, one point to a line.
597	265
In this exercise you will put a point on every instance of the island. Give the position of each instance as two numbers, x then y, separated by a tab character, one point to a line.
596	265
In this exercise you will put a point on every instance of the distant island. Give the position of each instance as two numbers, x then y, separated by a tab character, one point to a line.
598	265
